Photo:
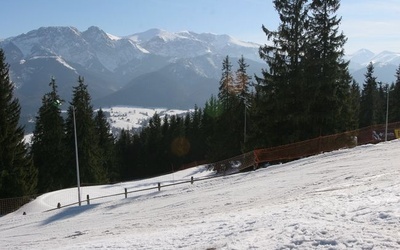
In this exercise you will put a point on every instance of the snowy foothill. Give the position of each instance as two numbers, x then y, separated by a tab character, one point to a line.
133	117
126	117
349	198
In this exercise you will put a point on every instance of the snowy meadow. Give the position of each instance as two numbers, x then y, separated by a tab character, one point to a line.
348	198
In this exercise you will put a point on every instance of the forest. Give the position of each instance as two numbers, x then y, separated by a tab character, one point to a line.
305	91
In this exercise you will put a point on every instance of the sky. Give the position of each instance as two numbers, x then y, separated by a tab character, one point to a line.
370	24
345	199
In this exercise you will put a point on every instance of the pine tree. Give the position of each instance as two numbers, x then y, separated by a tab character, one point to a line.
106	145
91	169
369	99
125	156
242	82
281	101
355	98
394	99
48	148
18	176
226	85
328	79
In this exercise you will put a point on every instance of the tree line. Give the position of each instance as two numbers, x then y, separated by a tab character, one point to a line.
304	92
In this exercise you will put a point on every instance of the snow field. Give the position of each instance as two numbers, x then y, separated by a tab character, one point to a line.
343	199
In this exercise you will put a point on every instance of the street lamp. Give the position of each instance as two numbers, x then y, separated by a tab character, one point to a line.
387	110
59	103
77	158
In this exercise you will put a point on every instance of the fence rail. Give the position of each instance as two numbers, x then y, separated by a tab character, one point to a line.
253	159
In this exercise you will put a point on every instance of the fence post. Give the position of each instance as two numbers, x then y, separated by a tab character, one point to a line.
191	180
159	187
87	199
126	193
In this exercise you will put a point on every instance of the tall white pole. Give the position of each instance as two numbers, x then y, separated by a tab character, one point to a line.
244	134
387	112
77	158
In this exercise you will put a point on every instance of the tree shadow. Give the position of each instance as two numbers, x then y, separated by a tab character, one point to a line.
68	212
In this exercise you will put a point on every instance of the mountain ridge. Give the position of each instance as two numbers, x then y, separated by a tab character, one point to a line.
112	65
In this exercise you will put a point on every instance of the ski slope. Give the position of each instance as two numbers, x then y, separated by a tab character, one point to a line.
348	198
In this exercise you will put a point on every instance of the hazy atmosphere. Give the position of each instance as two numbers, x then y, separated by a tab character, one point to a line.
370	24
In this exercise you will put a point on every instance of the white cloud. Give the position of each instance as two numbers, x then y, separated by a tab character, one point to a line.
371	24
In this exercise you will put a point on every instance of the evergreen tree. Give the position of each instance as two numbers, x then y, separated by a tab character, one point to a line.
125	156
48	148
381	102
369	99
226	139
394	99
328	79
281	101
106	145
154	148
91	168
196	137
226	85
18	176
355	98
242	81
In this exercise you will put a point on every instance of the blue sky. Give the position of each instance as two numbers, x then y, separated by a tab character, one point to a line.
370	24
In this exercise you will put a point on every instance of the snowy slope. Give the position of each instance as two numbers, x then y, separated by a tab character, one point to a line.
343	199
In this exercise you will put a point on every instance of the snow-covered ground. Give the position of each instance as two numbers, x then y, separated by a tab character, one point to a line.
127	117
348	198
123	117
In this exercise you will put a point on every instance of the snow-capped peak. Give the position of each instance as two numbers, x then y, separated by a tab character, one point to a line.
112	37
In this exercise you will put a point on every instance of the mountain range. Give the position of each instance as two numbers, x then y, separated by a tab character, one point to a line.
155	68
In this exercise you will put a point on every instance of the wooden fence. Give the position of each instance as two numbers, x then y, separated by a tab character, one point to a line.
253	159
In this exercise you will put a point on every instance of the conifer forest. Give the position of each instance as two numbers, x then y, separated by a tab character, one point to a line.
304	91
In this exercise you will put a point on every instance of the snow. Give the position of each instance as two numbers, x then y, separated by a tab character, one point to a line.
112	37
125	117
343	199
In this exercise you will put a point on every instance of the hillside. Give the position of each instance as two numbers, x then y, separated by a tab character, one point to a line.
343	199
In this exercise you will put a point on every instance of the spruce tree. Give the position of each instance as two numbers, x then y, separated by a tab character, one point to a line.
394	99
124	156
106	145
242	83
281	101
355	98
226	84
328	79
48	148
91	169
18	176
369	99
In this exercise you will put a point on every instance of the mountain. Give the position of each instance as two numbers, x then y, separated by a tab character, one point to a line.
154	68
385	65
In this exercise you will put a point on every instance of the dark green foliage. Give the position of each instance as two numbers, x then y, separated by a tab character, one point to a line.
226	135
282	90
305	92
48	148
106	145
92	170
18	177
369	100
394	99
327	72
355	97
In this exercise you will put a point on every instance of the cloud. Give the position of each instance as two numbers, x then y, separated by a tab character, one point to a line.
371	24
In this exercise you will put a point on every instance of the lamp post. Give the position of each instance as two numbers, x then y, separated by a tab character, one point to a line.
77	158
387	110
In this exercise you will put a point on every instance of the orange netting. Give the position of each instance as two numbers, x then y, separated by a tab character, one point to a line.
372	134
